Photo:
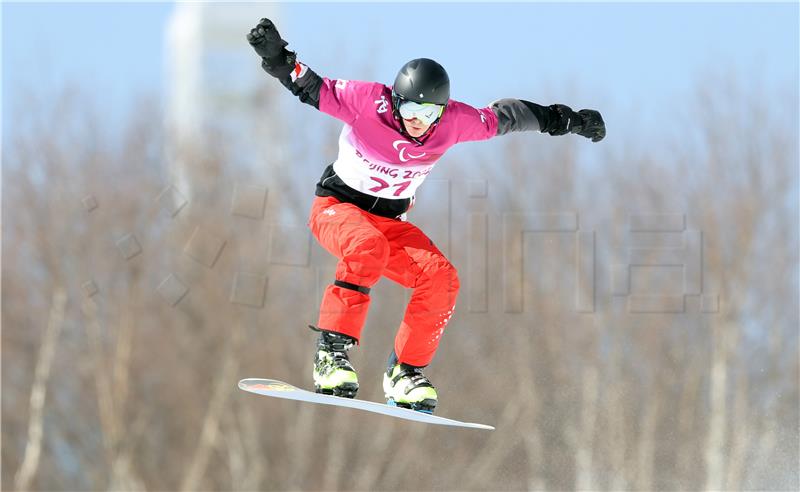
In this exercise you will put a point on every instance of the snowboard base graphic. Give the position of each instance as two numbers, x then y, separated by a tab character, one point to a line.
279	389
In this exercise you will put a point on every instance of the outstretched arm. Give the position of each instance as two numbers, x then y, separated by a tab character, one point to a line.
282	64
517	115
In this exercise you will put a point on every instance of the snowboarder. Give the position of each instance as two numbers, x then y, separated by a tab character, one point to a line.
391	140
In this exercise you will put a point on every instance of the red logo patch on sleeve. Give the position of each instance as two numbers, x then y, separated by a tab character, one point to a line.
299	70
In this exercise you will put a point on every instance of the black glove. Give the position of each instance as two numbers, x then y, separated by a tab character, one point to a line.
592	125
265	39
586	122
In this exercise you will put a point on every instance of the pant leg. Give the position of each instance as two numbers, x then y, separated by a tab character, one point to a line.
347	232
415	262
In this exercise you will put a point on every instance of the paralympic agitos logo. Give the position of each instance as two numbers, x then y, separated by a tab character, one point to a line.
405	157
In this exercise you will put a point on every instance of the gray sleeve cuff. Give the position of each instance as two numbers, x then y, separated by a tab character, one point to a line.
514	116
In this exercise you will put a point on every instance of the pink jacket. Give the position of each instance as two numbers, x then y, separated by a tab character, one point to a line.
374	157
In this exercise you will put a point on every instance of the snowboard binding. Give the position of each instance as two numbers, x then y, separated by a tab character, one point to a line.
425	406
344	390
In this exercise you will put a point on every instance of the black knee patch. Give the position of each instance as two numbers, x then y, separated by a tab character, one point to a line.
348	285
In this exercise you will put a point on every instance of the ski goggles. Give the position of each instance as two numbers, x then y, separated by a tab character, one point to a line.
427	113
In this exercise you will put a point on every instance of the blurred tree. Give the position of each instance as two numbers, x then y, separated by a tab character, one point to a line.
134	386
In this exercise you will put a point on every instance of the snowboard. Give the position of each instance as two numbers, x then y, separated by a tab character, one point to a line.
279	389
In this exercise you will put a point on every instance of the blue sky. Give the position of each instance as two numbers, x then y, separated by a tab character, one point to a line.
630	57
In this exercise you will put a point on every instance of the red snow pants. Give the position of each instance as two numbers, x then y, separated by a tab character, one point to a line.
369	246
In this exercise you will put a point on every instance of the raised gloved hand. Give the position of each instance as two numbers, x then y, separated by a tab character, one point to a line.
592	125
265	39
586	122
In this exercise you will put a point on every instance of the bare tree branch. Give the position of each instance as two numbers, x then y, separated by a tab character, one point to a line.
44	361
210	431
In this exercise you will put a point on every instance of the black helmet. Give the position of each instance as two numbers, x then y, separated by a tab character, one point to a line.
421	80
